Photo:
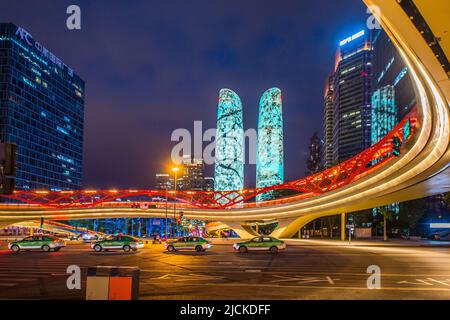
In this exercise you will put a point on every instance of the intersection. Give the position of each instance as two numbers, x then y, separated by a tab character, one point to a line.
308	269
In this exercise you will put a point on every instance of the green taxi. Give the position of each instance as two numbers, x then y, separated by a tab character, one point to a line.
261	243
188	243
38	242
117	242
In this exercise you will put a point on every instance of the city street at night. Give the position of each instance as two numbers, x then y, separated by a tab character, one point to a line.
308	269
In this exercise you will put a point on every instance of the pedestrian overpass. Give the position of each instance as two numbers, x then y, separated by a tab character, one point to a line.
373	178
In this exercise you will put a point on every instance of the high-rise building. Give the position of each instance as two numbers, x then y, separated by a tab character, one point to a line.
390	70
352	96
328	122
208	184
314	161
393	95
384	119
191	176
41	111
270	151
229	153
384	113
193	173
163	181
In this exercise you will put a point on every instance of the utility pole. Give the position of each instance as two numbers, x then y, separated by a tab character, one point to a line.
175	171
167	227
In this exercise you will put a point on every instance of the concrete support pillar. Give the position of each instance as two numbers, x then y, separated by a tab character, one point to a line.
237	227
343	226
286	228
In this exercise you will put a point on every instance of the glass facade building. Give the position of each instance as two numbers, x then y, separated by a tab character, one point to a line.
393	97
270	151
384	113
229	152
42	111
390	70
328	113
352	96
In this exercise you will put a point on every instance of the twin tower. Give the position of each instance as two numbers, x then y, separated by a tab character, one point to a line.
230	144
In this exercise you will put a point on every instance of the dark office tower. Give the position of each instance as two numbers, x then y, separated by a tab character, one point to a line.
193	173
352	95
328	122
314	161
41	111
208	184
393	95
163	181
390	70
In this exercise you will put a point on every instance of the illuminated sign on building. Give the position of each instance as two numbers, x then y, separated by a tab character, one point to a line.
351	38
26	36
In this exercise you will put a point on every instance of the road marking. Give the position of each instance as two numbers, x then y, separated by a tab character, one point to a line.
253	270
303	279
225	262
440	282
321	287
189	277
427	282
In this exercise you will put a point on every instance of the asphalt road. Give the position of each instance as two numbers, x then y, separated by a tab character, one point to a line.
306	270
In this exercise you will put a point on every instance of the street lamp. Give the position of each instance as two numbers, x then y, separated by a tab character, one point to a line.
175	172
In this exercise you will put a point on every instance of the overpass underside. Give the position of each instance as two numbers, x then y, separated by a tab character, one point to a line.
421	170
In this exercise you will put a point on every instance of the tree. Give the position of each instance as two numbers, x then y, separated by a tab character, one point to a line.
387	215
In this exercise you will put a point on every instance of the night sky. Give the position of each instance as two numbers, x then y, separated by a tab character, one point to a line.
151	67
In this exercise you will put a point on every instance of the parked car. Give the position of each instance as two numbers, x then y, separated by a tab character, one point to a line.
118	242
39	242
261	243
198	244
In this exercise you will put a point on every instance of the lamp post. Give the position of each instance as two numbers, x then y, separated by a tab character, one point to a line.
167	226
175	172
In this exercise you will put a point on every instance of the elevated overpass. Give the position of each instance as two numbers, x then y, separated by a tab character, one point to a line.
370	179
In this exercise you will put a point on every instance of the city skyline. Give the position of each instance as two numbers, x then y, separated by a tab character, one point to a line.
112	82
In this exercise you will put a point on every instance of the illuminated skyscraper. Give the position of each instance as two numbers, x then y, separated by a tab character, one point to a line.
41	111
384	113
229	158
270	157
328	122
351	96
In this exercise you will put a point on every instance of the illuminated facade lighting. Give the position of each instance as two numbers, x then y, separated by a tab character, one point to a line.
40	97
229	153
270	155
384	113
384	119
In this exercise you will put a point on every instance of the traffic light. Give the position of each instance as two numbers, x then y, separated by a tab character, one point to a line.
396	142
180	218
